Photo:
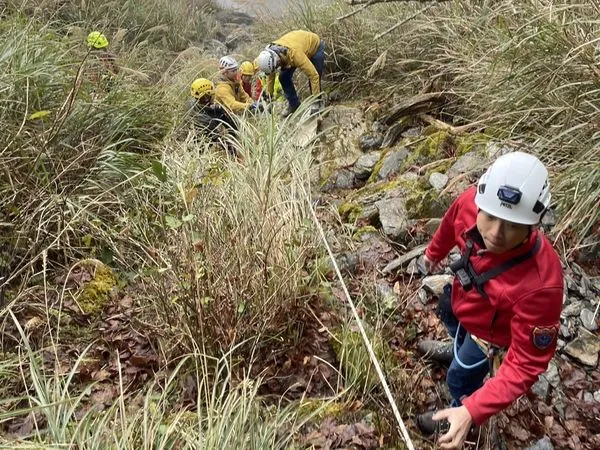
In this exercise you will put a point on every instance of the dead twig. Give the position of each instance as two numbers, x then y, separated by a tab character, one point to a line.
450	128
402	22
67	106
417	105
458	178
353	12
421	170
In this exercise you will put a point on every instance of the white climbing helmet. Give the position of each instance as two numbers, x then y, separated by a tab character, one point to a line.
267	61
228	63
515	188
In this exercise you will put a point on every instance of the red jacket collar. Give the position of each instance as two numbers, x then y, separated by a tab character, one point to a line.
479	248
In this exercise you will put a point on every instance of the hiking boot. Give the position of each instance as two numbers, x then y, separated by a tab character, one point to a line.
438	351
288	110
427	426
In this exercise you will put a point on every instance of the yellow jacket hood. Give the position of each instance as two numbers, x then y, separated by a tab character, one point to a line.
231	94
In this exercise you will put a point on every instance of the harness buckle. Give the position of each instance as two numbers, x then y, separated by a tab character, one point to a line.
459	268
464	279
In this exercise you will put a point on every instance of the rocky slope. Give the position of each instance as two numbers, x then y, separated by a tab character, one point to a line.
390	185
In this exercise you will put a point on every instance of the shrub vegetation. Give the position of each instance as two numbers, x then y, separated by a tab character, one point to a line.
99	175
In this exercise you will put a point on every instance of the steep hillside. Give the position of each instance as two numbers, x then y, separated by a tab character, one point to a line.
157	293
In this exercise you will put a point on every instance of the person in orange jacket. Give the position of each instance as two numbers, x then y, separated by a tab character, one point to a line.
228	88
506	296
297	49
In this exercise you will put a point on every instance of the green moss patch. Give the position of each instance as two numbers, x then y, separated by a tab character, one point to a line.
476	142
378	166
350	211
362	231
437	145
96	293
440	145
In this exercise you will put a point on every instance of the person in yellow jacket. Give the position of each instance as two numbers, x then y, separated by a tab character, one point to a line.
228	88
277	89
297	49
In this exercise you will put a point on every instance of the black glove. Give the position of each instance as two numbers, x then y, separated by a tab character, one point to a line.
256	107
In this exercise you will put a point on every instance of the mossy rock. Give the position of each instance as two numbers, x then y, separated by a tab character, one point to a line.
358	201
437	145
422	201
378	190
378	166
440	145
96	293
350	211
476	142
442	166
360	233
319	409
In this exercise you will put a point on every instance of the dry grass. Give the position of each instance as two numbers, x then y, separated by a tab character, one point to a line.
236	239
225	412
525	70
219	247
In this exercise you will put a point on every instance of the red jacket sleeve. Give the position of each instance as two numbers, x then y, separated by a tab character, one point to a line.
258	89
524	362
444	238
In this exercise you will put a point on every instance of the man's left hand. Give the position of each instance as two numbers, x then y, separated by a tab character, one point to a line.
460	422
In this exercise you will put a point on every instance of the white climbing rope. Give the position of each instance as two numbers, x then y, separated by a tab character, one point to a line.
404	432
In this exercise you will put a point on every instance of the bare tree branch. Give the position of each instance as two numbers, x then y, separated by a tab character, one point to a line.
463	129
402	22
366	3
354	11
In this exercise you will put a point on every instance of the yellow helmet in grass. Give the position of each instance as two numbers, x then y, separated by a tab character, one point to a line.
202	87
247	68
97	40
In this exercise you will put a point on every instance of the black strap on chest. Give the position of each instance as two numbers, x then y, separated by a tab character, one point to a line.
469	278
279	49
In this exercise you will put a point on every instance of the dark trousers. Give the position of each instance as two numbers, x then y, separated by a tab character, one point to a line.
461	381
287	74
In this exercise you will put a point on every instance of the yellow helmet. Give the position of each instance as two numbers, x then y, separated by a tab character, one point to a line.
202	87
97	40
247	68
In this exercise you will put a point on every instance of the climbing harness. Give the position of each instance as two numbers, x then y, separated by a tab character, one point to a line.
468	278
455	350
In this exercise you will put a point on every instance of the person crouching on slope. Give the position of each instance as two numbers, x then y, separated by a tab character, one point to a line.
250	80
208	117
296	49
228	88
277	89
506	296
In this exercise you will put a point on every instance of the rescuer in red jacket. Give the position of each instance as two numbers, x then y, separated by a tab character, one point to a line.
507	293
